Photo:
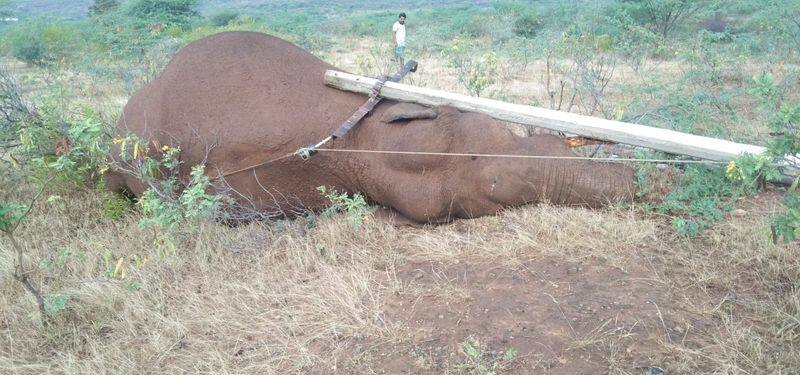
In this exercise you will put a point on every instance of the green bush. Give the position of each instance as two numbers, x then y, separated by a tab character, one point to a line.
70	148
372	24
223	18
528	23
700	200
783	119
355	206
778	21
43	41
169	207
508	8
101	7
475	72
167	12
663	16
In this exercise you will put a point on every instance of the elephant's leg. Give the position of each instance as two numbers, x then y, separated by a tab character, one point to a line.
393	217
430	197
418	197
123	184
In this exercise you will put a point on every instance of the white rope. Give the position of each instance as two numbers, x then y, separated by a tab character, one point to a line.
422	153
618	160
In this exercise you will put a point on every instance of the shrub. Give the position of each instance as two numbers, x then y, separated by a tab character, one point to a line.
168	206
69	148
475	72
165	204
13	108
27	43
528	23
699	201
101	7
663	16
634	41
166	12
42	41
779	22
355	206
508	8
783	119
372	24
223	18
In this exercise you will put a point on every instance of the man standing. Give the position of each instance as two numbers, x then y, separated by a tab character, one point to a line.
399	35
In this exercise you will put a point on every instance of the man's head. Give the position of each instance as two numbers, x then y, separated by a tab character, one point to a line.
401	18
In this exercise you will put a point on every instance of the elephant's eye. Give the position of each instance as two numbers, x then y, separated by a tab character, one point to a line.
474	158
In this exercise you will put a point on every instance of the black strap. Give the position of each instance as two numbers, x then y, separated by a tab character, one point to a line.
374	99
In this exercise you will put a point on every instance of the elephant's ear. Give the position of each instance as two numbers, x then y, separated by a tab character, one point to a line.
408	112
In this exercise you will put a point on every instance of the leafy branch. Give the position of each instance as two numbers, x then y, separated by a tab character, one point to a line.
11	216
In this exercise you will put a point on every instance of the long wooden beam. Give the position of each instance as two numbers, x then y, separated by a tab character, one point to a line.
670	141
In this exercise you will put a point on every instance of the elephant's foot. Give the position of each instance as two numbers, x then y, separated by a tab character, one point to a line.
115	182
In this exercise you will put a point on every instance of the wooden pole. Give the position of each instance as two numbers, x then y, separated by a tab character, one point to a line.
670	141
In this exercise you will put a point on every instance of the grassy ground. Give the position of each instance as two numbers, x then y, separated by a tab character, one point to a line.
570	290
532	290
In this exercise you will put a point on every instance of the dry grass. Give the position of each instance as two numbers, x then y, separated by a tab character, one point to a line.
258	299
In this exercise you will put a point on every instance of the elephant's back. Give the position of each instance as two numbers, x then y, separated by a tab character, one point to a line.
252	95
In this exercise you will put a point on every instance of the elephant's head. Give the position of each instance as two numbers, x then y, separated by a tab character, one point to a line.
438	187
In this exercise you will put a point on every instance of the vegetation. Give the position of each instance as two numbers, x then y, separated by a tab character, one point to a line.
480	360
101	7
354	206
83	270
6	9
665	16
783	119
166	12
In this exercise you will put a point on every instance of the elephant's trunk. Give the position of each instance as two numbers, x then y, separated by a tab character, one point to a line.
558	181
590	184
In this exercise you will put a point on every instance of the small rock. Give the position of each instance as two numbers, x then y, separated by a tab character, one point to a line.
738	212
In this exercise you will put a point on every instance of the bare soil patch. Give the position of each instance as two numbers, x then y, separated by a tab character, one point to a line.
558	315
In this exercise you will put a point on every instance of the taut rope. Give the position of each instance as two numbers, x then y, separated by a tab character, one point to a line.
618	160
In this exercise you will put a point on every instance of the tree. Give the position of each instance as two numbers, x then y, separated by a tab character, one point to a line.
101	7
663	16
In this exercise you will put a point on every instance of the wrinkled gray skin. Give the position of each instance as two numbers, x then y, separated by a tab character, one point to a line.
258	97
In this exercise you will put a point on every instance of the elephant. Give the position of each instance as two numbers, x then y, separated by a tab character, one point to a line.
258	97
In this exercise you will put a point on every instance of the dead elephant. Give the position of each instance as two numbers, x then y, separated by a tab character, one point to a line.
259	97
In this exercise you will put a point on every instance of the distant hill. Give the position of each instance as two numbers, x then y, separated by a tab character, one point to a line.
62	8
75	9
316	6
